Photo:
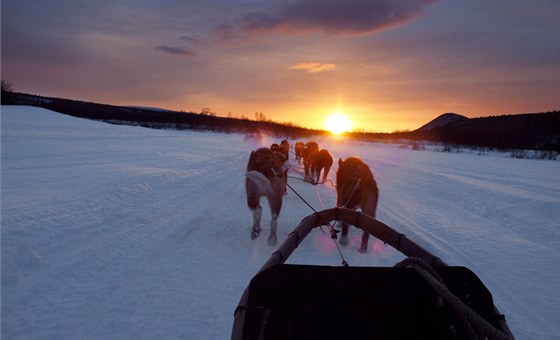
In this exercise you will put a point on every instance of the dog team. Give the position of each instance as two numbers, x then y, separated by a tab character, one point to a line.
267	175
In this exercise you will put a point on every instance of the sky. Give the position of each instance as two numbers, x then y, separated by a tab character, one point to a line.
386	65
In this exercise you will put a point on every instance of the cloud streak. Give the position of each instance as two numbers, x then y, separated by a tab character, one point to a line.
176	51
190	39
311	67
352	17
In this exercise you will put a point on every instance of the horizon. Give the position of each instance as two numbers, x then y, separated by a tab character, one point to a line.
324	128
384	66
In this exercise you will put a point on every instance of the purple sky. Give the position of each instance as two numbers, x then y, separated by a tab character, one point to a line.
387	65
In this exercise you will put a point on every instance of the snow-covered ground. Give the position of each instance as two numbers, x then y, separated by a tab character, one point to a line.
120	232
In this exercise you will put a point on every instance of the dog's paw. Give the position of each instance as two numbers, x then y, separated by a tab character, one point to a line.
272	240
255	233
344	240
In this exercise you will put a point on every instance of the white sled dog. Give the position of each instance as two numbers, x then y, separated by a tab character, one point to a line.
264	178
356	188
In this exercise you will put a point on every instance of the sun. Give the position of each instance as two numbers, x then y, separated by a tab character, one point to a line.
337	123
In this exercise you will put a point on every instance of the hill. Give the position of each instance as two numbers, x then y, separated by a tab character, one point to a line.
537	131
443	120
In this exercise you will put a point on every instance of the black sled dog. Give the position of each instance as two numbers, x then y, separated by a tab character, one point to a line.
356	188
264	178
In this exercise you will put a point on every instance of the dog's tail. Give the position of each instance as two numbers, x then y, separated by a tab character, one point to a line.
260	180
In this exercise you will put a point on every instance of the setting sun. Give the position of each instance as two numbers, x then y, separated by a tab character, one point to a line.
338	123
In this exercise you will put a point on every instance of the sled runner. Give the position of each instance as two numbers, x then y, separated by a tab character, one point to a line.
420	298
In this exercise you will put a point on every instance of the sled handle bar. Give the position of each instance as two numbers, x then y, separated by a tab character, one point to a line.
358	219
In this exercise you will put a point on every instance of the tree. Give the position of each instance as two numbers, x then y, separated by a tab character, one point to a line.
6	87
206	111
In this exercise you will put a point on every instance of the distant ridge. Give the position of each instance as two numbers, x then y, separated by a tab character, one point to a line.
528	131
157	118
441	121
536	131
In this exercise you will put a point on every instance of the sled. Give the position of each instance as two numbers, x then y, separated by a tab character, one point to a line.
420	298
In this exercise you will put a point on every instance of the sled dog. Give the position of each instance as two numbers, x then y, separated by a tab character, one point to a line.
298	148
285	146
282	154
264	178
309	150
356	188
321	160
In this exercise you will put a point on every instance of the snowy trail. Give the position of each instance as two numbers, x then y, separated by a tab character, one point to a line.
123	232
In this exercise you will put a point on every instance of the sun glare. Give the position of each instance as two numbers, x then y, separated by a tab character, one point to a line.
338	123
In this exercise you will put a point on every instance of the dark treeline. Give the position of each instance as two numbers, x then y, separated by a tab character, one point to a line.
535	131
154	118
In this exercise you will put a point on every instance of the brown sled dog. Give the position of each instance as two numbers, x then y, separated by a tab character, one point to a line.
356	188
285	145
264	178
321	160
309	150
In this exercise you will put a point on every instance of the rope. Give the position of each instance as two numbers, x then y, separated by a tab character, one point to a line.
333	231
319	197
416	261
296	170
331	228
352	193
303	199
476	326
329	180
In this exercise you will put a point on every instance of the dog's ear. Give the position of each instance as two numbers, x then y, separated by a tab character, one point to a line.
340	161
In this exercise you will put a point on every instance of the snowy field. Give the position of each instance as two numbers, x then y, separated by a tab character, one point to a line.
120	232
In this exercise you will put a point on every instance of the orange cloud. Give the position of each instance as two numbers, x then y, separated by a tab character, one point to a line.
312	67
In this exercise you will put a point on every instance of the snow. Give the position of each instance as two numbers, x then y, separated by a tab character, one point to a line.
121	232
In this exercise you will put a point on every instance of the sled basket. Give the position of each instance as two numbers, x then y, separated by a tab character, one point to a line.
285	301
